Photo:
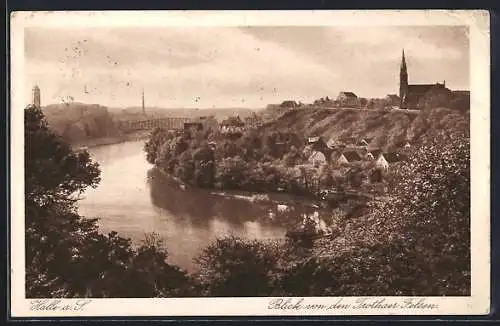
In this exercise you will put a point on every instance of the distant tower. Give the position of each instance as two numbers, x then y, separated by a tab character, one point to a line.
403	82
143	107
36	96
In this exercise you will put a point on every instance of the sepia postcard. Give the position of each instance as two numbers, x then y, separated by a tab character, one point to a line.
249	163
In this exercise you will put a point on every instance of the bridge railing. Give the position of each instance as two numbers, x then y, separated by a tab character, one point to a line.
167	123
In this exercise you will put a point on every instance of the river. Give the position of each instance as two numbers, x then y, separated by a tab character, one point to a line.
134	198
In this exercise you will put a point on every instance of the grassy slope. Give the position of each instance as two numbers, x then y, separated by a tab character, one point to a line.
387	128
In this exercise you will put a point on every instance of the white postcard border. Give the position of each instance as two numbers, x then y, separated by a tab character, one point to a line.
477	303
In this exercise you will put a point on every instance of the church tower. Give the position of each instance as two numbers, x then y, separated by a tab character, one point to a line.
36	97
403	82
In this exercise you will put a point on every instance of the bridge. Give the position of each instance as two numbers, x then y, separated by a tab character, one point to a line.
148	124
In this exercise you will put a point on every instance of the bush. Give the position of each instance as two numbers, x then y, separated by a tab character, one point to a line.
232	267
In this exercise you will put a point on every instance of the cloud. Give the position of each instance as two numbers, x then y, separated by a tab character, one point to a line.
184	63
208	66
386	43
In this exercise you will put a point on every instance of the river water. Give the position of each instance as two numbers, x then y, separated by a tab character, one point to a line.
133	198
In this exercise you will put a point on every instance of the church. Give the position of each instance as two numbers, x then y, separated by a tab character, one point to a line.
411	96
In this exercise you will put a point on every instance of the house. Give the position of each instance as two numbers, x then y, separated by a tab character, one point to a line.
317	158
232	125
407	145
379	158
318	144
384	159
381	162
312	140
348	99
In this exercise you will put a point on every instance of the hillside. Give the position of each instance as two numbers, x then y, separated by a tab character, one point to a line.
386	128
79	121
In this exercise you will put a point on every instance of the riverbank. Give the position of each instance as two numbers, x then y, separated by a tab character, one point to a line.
103	141
278	198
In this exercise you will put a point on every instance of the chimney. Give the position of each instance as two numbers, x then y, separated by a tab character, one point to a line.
143	106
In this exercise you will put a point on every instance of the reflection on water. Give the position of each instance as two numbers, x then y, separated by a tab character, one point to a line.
134	198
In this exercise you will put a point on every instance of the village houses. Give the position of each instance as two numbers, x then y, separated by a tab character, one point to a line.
338	153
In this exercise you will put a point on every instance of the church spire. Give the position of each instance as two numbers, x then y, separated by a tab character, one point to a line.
403	81
403	61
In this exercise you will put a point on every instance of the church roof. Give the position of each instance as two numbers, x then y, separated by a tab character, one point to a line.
421	89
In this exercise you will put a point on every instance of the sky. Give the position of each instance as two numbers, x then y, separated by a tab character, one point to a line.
206	67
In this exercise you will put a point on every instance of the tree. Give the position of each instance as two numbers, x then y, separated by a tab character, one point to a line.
370	104
151	276
432	198
152	146
185	170
204	167
231	172
232	267
54	173
293	157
